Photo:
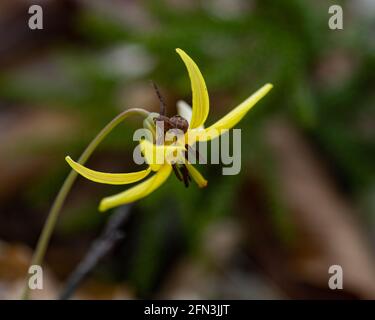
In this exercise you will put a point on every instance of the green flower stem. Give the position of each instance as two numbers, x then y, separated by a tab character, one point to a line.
50	223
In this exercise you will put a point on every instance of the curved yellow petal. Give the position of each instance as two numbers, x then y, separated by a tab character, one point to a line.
196	175
200	103
185	111
232	118
139	191
108	178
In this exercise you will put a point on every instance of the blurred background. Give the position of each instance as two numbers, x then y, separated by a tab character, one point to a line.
305	197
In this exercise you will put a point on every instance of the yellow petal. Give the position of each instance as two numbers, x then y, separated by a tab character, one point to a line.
158	155
232	118
196	175
108	178
139	191
199	91
154	155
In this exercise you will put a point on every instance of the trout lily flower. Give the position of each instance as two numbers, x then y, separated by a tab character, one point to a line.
190	122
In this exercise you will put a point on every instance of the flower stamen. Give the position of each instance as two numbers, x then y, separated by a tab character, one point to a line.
177	172
185	175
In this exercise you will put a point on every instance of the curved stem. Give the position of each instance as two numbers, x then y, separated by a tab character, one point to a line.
50	223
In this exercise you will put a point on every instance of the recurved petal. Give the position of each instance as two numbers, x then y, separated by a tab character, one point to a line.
233	117
196	175
108	178
139	191
199	91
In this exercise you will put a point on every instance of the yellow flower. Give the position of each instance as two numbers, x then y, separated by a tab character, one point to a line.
196	117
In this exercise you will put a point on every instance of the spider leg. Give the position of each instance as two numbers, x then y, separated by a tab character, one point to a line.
162	104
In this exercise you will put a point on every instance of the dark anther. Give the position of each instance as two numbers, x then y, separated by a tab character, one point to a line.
185	175
176	172
194	153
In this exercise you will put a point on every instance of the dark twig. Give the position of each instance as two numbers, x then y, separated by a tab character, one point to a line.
100	247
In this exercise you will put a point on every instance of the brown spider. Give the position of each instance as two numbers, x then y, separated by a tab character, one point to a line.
175	122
